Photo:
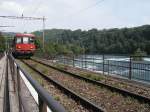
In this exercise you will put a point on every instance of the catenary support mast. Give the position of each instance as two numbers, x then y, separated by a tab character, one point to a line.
29	18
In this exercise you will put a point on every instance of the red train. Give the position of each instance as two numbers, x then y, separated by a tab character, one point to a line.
23	45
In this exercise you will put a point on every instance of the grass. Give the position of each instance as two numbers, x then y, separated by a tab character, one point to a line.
86	75
42	68
92	76
57	98
40	81
129	100
31	72
44	71
60	66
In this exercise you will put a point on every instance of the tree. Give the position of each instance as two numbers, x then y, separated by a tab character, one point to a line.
2	43
118	41
139	54
50	50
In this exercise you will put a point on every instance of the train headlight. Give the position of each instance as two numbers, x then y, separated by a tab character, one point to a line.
18	47
31	47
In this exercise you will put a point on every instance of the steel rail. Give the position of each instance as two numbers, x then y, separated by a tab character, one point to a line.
84	102
124	92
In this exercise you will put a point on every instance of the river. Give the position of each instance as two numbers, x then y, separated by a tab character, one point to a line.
114	65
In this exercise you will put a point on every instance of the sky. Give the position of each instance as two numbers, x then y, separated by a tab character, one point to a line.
75	14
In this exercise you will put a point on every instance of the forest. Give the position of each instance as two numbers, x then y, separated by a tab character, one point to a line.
94	41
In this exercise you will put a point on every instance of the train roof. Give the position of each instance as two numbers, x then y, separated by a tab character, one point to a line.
24	35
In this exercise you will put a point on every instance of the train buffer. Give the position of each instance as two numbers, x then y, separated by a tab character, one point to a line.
20	93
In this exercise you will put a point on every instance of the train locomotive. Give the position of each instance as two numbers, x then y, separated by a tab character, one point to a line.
23	45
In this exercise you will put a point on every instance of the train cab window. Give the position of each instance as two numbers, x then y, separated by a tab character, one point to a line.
31	40
18	40
25	40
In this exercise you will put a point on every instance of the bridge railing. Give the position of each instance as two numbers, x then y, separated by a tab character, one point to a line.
44	101
6	103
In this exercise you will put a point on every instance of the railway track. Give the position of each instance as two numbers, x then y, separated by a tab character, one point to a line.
87	106
142	98
111	92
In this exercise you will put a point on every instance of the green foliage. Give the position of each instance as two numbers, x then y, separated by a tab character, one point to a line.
92	76
57	98
119	41
139	54
39	49
38	43
2	43
50	49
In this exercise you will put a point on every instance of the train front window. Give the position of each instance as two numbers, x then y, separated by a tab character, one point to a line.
18	40
25	40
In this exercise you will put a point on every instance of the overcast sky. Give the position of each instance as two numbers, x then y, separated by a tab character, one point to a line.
75	14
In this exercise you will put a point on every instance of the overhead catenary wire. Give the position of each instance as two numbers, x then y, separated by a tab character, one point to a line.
34	11
81	11
37	7
4	27
28	18
7	26
88	7
23	17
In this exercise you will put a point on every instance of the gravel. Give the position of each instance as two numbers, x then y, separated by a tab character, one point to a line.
113	81
110	101
69	104
141	90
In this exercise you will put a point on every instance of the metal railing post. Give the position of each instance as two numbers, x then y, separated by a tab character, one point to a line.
64	60
15	74
103	63
93	64
12	72
73	62
130	68
67	60
82	62
108	67
85	63
19	89
42	105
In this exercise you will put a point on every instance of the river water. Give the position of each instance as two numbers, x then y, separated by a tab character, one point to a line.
114	65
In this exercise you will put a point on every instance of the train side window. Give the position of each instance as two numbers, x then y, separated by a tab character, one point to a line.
18	40
31	40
